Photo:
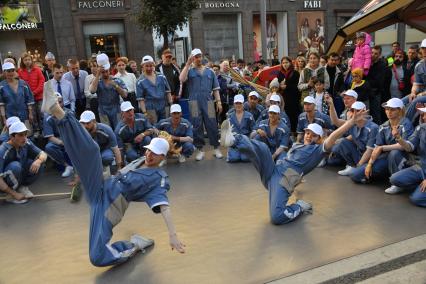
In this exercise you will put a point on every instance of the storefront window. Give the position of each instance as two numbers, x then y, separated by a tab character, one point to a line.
104	37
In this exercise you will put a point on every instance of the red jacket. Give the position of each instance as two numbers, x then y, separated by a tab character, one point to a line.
34	79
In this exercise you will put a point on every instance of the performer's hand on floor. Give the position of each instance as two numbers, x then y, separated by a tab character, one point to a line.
175	243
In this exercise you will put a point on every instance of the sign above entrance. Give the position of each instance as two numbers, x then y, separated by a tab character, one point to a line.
20	17
95	4
219	5
312	4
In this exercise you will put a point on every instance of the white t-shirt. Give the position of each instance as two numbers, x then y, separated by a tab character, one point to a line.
129	80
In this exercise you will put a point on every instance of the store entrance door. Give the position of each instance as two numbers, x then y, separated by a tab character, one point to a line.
107	44
104	37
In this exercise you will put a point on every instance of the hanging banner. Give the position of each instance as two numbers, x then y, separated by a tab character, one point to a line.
310	31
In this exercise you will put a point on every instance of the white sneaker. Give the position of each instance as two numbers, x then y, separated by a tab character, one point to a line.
140	242
393	189
227	139
49	98
68	171
346	171
25	191
306	206
199	155
218	154
182	159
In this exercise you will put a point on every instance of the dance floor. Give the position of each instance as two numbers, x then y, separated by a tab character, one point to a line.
221	214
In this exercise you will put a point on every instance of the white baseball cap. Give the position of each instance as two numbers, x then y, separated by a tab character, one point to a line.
8	66
87	116
49	55
309	100
358	106
158	146
175	108
351	93
125	106
274	108
254	93
196	51
275	98
103	61
315	128
147	59
11	120
239	99
17	127
423	43
394	103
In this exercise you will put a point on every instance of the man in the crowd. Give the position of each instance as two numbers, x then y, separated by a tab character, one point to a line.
20	164
336	81
202	82
62	86
109	90
349	98
396	79
375	78
49	61
55	146
104	136
171	72
409	64
77	78
181	131
133	132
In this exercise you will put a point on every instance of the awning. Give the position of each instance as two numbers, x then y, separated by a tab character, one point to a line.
378	14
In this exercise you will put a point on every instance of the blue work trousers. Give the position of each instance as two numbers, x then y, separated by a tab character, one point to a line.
200	119
260	156
411	178
21	173
56	153
344	152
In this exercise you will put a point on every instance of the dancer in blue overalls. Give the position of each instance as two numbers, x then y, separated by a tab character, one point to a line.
140	181
242	122
202	82
282	177
414	176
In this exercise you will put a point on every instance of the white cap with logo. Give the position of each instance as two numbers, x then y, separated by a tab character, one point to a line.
158	146
394	103
351	93
239	99
196	51
17	127
309	100
147	59
125	106
358	106
87	116
103	61
175	108
7	66
254	93
275	98
274	108
315	128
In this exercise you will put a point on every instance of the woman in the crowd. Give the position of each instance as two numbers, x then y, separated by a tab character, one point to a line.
288	78
129	80
300	63
413	177
33	75
16	98
387	157
242	122
309	73
360	86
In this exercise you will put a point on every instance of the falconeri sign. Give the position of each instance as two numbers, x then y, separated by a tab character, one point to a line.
19	26
100	4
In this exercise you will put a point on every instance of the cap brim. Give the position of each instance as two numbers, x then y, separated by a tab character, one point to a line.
149	147
127	109
84	120
312	131
386	105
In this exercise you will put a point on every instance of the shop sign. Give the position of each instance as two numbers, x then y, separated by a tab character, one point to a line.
312	4
100	4
220	5
20	26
